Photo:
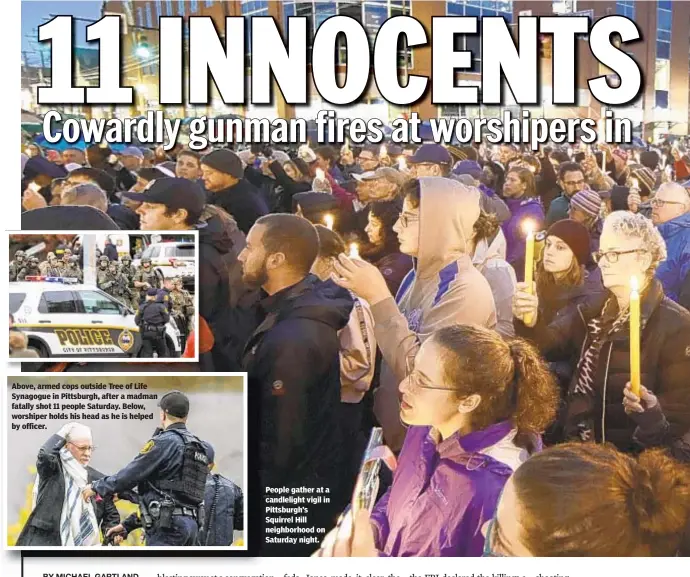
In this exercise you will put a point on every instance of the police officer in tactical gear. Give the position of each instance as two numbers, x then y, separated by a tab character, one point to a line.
151	318
73	270
17	264
31	269
102	276
66	257
223	507
52	266
170	473
146	277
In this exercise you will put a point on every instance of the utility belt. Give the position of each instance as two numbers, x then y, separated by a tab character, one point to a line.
161	512
153	328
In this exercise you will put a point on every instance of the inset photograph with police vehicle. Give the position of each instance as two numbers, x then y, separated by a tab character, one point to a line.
126	461
103	296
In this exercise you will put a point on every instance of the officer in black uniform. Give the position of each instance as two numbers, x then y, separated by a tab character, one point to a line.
151	318
170	474
223	507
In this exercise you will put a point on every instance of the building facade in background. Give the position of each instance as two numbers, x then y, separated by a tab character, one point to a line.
663	54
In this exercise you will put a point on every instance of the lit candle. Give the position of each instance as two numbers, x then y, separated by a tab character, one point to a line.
634	336
570	152
402	164
384	151
664	160
320	174
603	161
328	220
103	144
634	183
354	250
528	228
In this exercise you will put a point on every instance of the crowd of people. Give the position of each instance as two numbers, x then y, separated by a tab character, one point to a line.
387	285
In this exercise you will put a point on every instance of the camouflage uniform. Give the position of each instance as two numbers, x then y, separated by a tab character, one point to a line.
102	275
128	270
51	266
187	302
73	270
17	264
147	276
31	269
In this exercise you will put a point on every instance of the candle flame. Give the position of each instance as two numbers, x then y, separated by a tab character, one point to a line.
328	220
383	151
402	163
320	174
354	250
635	183
634	284
103	144
528	226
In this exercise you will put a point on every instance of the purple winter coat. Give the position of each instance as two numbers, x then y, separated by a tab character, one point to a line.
443	493
520	209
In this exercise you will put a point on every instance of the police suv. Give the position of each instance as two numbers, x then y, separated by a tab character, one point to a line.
172	259
64	319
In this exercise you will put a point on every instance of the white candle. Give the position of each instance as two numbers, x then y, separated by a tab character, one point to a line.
402	164
354	250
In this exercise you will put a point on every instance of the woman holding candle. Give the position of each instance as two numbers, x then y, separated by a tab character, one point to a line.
475	406
599	405
520	194
444	288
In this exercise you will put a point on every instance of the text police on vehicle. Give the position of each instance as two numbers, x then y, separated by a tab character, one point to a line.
62	318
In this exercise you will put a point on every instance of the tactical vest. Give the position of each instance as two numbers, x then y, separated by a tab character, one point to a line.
191	485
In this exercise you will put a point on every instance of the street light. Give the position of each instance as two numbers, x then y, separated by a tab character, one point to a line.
142	51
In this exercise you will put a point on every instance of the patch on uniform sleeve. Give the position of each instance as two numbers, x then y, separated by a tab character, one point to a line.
277	388
147	447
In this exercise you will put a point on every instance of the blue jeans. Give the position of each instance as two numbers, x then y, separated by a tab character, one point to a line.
182	533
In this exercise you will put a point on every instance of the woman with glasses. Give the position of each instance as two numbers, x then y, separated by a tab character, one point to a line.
633	507
59	517
475	406
444	288
600	406
520	194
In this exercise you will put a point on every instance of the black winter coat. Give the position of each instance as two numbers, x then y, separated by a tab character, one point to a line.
665	368
243	202
42	528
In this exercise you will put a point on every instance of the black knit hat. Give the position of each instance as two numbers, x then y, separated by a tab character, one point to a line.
575	235
225	161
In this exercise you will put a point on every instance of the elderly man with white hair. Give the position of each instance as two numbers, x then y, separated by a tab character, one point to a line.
59	517
671	214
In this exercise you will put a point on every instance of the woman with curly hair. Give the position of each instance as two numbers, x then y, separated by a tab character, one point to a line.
632	507
384	250
600	405
475	406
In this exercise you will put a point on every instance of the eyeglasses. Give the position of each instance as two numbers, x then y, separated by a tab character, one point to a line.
84	448
612	256
415	380
658	203
407	218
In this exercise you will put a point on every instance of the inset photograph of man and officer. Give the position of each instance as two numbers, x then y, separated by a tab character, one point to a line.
126	461
103	296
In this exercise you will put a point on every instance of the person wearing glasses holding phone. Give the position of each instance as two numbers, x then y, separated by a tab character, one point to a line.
671	215
59	517
599	405
475	405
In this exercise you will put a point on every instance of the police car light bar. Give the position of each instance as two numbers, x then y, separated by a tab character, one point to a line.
58	279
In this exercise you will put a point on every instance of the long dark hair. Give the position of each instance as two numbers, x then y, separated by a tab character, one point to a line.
387	212
511	377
